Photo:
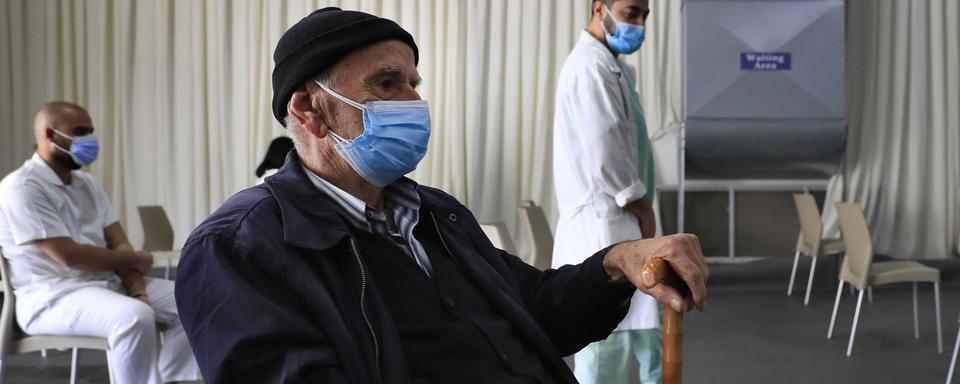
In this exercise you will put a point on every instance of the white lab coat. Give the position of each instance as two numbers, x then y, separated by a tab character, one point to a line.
595	163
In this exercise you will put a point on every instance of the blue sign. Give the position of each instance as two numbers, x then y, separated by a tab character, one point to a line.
764	61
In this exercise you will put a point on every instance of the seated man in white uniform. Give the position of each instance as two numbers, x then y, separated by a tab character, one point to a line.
72	269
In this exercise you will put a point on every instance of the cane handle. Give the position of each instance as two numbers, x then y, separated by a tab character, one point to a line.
657	271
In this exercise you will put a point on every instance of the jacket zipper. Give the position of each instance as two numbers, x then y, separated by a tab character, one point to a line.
363	300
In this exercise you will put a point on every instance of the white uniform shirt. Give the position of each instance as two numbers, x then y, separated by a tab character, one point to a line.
36	205
595	163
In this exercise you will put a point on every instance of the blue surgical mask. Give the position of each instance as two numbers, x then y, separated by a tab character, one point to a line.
83	149
628	37
394	139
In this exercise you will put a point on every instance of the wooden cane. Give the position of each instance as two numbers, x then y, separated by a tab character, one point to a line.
658	271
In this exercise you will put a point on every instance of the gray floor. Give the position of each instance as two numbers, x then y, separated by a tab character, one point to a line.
751	333
55	368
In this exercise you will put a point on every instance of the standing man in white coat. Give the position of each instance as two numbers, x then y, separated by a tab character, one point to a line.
603	186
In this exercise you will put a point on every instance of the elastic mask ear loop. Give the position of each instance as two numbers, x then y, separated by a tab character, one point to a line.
340	97
613	19
336	137
339	139
64	135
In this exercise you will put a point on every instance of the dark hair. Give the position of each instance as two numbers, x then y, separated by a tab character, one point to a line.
276	154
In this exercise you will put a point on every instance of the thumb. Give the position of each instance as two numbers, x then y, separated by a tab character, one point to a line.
668	296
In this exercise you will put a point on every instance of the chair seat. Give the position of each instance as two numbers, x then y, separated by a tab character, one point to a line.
827	247
161	258
831	246
36	343
888	272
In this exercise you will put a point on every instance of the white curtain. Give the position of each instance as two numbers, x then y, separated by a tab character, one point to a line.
902	167
180	93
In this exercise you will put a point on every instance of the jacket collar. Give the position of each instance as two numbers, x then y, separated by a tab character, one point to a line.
310	219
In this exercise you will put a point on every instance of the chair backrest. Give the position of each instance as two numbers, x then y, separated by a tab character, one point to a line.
538	235
810	225
856	239
9	330
157	231
499	236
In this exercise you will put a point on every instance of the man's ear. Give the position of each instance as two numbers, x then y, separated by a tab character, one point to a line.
48	133
301	109
597	8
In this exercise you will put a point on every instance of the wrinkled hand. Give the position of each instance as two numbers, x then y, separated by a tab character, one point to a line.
682	251
143	262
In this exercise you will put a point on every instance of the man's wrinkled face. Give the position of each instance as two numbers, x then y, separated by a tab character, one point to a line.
74	124
383	71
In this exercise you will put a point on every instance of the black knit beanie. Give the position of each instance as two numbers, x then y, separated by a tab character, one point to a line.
318	41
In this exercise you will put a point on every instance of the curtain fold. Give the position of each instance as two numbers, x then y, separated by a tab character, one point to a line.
902	162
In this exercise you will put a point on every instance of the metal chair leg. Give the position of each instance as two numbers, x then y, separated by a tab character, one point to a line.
916	317
3	370
870	294
793	273
953	359
73	367
856	318
936	298
109	368
813	268
833	317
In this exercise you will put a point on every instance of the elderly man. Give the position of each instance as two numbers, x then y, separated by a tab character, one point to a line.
603	187
339	270
73	271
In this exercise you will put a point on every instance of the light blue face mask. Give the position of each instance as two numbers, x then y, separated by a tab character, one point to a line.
628	37
83	149
394	139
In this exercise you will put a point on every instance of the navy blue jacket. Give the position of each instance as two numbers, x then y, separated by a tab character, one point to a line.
270	289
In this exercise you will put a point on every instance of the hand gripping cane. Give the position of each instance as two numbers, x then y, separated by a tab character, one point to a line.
658	271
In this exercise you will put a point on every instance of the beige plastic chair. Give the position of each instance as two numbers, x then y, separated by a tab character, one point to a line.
157	232
810	242
13	341
537	232
499	236
859	270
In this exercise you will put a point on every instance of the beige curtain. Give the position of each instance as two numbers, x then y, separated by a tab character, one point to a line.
180	93
175	90
903	168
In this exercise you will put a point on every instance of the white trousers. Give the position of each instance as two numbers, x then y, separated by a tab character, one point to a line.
130	327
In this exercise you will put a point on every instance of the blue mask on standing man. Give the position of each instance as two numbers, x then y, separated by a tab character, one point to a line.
627	38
